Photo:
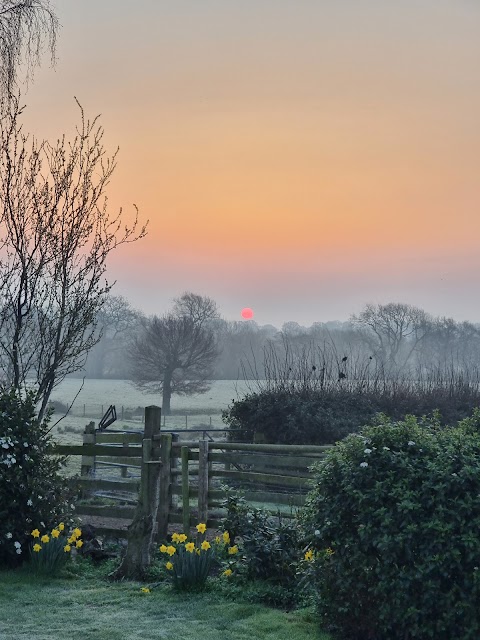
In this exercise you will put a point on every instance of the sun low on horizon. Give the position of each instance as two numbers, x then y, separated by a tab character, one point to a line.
305	157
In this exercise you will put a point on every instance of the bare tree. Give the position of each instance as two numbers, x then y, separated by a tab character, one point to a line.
27	27
173	355
201	309
55	237
116	322
393	331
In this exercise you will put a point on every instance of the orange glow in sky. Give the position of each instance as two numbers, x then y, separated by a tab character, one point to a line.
309	157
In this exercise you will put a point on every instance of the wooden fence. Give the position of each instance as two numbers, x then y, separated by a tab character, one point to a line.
115	465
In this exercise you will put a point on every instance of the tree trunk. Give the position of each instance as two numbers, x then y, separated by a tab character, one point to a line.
142	531
166	393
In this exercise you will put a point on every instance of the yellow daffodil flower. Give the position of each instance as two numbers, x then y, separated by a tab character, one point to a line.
71	540
36	548
145	590
45	539
169	566
67	548
182	537
61	526
190	546
218	539
36	533
226	537
205	545
233	550
77	532
227	572
309	555
175	537
163	549
55	533
79	544
171	550
201	528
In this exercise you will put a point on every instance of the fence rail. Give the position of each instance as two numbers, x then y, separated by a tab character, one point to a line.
192	475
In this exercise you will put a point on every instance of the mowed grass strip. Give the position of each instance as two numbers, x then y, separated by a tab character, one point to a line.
93	609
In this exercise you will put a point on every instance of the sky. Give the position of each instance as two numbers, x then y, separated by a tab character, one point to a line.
299	157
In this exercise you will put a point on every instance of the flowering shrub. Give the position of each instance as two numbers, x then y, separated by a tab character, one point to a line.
31	489
398	506
190	561
51	551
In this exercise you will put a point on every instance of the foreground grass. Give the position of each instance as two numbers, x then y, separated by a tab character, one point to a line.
40	609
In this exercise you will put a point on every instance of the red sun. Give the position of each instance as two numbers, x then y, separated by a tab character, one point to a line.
247	313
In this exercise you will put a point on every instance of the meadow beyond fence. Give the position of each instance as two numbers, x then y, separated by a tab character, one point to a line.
193	476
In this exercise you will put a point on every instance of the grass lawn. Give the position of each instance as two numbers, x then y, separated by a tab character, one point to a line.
91	608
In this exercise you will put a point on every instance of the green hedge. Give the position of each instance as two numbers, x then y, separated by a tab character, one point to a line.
398	505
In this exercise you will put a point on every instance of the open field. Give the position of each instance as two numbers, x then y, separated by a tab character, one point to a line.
200	410
93	609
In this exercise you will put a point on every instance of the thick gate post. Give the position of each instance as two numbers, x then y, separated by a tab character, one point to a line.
142	531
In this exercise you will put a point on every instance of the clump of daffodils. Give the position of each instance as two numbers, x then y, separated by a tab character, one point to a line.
50	550
189	561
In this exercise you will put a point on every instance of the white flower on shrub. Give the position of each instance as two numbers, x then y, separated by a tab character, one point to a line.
364	464
29	503
17	545
367	451
410	443
9	535
386	448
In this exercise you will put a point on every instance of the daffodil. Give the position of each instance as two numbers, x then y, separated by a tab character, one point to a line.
71	540
163	549
45	539
169	566
190	546
233	550
77	532
55	533
201	528
226	537
36	533
36	548
309	555
217	539
79	544
227	572
171	550
175	537
145	590
182	537
67	548
205	545
61	526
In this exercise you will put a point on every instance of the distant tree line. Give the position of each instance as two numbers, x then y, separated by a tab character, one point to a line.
394	338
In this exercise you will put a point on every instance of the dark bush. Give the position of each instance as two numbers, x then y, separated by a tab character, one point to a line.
270	549
398	505
324	416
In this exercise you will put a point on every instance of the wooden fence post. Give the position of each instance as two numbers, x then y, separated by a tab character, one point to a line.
142	530
203	481
185	491
164	499
88	462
